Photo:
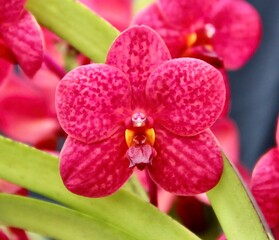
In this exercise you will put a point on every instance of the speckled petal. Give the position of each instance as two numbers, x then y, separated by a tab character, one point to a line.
186	95
95	170
174	37
265	185
137	51
186	13
92	101
238	32
186	165
24	38
10	9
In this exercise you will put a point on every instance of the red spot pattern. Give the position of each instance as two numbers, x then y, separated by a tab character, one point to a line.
92	101
183	96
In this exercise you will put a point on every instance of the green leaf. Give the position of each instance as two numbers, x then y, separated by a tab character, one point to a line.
54	221
236	209
75	23
39	172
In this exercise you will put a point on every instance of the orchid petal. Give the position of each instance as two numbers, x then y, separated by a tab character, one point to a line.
92	102
7	187
10	10
186	165
137	51
24	38
117	12
95	170
3	236
226	132
30	121
5	68
238	32
173	37
186	95
186	13
265	185
277	133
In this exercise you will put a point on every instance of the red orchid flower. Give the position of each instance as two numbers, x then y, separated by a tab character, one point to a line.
228	29
265	185
112	112
20	36
27	107
117	12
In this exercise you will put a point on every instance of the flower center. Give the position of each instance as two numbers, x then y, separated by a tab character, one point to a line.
140	139
199	45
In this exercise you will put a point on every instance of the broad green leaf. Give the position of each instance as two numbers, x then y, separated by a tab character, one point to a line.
38	171
54	221
236	209
75	23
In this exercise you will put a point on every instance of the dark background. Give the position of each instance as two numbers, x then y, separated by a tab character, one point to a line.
255	89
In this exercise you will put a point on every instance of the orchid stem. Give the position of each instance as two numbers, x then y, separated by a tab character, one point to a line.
153	190
54	66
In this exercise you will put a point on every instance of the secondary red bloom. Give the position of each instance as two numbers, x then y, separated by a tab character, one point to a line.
203	28
112	112
265	185
27	107
20	36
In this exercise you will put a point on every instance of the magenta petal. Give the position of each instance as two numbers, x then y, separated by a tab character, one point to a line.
5	68
117	12
30	121
238	32
92	101
277	133
186	12
137	51
226	132
188	95
173	37
10	10
95	170
24	38
265	185
186	165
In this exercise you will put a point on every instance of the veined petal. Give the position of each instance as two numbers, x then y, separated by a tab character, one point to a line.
186	13
10	10
238	32
186	165
95	170
186	95
92	101
24	38
174	37
265	185
137	51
